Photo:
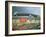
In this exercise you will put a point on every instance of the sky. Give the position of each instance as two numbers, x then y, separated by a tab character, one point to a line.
33	10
